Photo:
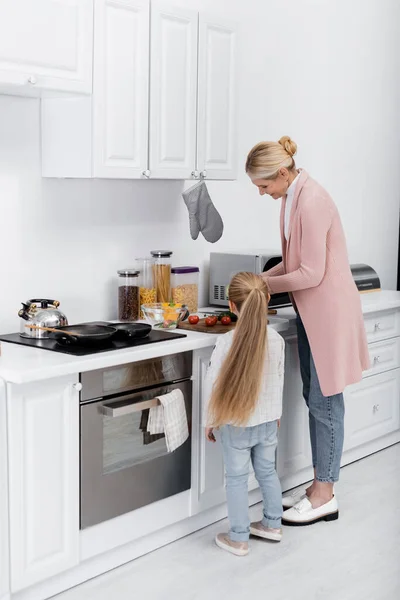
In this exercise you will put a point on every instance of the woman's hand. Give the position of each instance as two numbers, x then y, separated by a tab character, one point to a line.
210	434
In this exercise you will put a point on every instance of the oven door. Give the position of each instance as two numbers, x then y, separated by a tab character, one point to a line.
122	467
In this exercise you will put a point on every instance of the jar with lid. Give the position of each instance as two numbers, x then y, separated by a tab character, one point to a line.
162	274
128	294
185	287
148	294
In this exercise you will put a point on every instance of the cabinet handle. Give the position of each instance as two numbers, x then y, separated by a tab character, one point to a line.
32	80
203	174
78	387
195	174
377	326
375	408
146	173
376	360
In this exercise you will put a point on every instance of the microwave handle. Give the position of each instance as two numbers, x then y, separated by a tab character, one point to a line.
110	410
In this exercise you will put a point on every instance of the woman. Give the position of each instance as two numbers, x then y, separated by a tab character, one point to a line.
331	335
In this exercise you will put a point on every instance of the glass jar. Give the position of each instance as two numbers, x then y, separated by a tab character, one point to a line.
128	294
148	294
185	287
162	274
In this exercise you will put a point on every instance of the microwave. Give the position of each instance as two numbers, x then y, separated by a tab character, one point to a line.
223	265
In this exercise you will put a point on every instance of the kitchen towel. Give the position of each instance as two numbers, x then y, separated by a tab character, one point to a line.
170	417
203	216
147	437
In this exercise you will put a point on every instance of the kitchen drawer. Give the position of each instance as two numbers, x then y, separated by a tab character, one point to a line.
384	356
382	325
372	408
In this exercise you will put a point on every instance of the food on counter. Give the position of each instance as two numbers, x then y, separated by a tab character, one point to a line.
226	320
187	294
193	319
162	281
164	315
229	314
211	321
147	296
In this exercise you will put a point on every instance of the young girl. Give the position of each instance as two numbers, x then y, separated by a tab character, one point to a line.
244	385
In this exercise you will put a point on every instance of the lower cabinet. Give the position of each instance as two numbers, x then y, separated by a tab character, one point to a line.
4	541
43	438
208	484
294	461
372	409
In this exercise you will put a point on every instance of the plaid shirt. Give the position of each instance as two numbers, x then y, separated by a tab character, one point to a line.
269	404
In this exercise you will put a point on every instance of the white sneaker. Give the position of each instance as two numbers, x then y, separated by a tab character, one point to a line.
268	533
237	548
304	514
293	498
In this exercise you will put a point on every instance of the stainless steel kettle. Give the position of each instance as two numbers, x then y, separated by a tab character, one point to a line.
41	312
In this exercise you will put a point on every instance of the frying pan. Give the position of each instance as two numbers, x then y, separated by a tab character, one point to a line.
85	335
128	330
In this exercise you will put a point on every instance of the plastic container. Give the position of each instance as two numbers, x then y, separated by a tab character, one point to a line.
185	287
162	274
128	294
148	292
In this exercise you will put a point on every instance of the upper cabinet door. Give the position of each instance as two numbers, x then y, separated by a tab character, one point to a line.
46	44
173	83
216	139
121	88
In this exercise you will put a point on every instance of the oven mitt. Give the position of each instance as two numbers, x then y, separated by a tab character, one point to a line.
203	216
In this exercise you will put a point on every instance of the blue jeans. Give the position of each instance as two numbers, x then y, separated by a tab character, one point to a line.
326	416
240	444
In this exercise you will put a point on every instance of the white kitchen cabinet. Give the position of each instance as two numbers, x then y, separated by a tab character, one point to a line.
46	44
372	408
43	427
294	462
208	482
105	135
121	88
217	93
163	104
173	89
4	540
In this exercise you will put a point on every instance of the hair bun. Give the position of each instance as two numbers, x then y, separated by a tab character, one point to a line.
289	145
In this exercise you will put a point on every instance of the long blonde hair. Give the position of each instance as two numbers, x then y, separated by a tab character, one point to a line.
266	158
237	388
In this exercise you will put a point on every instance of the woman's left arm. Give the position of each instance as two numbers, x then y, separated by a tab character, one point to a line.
316	219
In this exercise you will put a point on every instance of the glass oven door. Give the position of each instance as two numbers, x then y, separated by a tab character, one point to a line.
123	467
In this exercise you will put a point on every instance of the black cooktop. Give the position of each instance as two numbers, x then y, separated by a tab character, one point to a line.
48	344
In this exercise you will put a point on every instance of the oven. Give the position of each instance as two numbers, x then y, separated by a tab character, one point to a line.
122	467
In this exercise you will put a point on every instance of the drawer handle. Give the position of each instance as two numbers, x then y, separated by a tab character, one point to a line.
377	326
376	360
375	408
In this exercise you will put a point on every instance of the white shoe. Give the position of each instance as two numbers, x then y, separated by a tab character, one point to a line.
293	498
268	533
237	548
304	514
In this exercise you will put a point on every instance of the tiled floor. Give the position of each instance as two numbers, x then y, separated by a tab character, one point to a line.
354	558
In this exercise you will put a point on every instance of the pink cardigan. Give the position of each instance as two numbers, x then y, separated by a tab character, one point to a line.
316	270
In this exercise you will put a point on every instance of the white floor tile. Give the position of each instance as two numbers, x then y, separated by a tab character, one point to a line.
354	558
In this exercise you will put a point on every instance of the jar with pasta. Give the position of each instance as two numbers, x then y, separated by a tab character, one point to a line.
185	287
162	274
148	294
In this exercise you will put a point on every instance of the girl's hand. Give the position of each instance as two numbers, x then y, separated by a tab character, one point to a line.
210	435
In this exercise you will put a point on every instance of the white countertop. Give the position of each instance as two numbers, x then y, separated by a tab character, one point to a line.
21	364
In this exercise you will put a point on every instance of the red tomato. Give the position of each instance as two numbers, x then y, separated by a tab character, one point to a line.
211	321
193	319
226	320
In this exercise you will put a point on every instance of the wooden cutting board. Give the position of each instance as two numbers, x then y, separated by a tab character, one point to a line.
201	327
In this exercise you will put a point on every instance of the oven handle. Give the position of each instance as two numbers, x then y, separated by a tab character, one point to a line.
111	411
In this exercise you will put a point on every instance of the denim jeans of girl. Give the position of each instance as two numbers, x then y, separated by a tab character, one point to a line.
326	416
240	445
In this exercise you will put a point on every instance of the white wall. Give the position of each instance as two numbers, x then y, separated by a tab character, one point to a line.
326	73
